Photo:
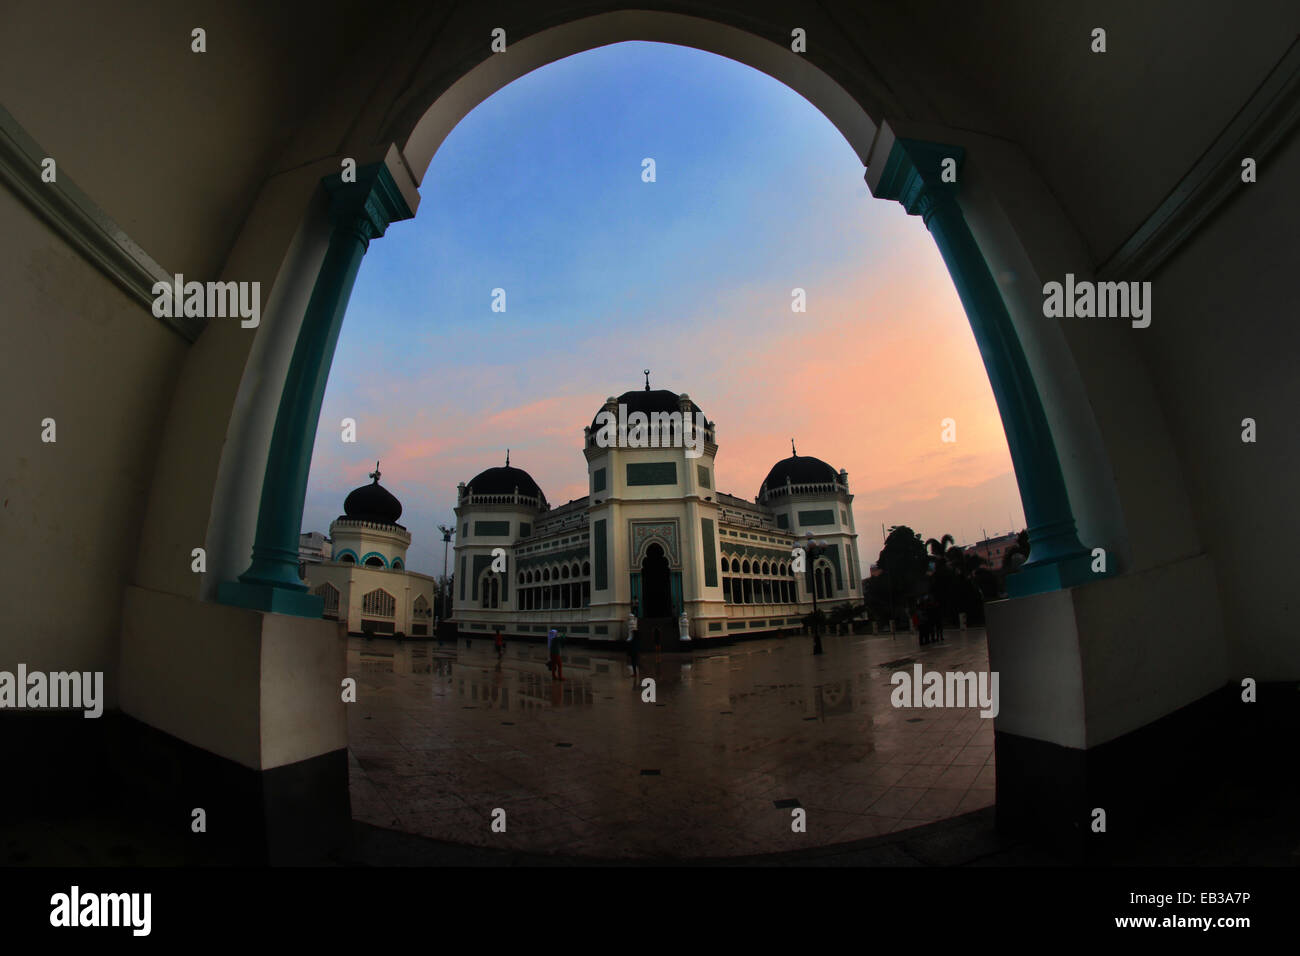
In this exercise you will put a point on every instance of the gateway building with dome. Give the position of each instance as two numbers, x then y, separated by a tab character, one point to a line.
364	581
654	546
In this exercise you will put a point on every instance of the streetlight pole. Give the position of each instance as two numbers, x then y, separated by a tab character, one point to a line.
442	585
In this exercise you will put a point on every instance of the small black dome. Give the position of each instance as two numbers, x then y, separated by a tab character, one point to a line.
503	480
801	470
372	502
654	400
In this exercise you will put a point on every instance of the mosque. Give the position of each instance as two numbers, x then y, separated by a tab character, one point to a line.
364	582
654	546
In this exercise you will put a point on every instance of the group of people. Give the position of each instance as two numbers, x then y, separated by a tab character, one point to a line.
927	618
555	641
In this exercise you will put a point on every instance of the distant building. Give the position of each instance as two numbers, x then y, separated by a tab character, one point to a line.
364	580
313	548
992	550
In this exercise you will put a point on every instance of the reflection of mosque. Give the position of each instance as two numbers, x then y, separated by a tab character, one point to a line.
653	538
519	681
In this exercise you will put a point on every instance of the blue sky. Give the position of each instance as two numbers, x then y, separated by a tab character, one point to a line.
539	191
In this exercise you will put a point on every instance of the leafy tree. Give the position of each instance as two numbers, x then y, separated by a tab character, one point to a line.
904	564
1021	548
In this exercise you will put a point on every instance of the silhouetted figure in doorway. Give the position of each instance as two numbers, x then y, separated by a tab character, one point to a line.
633	654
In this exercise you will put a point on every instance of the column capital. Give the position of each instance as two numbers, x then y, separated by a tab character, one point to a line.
913	175
368	206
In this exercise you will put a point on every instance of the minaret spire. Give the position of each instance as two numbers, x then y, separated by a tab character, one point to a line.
507	457
375	474
792	451
647	379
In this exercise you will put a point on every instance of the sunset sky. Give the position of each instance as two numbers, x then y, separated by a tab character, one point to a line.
539	192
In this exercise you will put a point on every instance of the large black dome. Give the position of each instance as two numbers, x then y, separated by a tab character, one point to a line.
503	480
372	502
648	401
801	470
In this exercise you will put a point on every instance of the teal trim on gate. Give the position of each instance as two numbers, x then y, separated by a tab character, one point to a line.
1057	559
359	211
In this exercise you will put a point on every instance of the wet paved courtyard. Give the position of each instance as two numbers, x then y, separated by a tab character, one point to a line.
441	737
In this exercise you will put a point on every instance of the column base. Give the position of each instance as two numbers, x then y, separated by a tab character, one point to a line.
265	597
1055	575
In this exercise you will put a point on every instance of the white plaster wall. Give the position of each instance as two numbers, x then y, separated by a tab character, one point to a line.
1223	347
78	350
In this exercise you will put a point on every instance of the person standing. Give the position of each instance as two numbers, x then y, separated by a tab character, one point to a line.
501	644
551	635
557	663
633	654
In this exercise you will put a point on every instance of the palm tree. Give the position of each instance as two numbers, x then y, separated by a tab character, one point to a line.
1021	548
939	546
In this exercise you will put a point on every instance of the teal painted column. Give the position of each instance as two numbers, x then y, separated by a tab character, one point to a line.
1057	559
359	212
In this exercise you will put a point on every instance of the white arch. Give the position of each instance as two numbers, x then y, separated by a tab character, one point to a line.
528	54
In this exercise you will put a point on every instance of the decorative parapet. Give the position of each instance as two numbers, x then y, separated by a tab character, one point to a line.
467	497
392	529
811	488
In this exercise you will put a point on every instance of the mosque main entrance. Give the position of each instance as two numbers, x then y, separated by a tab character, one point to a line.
659	593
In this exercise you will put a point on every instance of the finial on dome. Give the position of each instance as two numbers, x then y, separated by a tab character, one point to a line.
507	457
375	474
792	451
647	379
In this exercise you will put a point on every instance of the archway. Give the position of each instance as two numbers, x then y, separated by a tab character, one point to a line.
1039	390
1040	411
656	594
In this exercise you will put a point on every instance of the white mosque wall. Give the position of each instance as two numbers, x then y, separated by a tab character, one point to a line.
355	582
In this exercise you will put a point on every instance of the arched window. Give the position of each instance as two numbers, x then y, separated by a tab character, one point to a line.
745	567
379	603
564	572
546	574
735	566
397	564
347	559
576	569
374	562
421	606
331	595
766	568
586	568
